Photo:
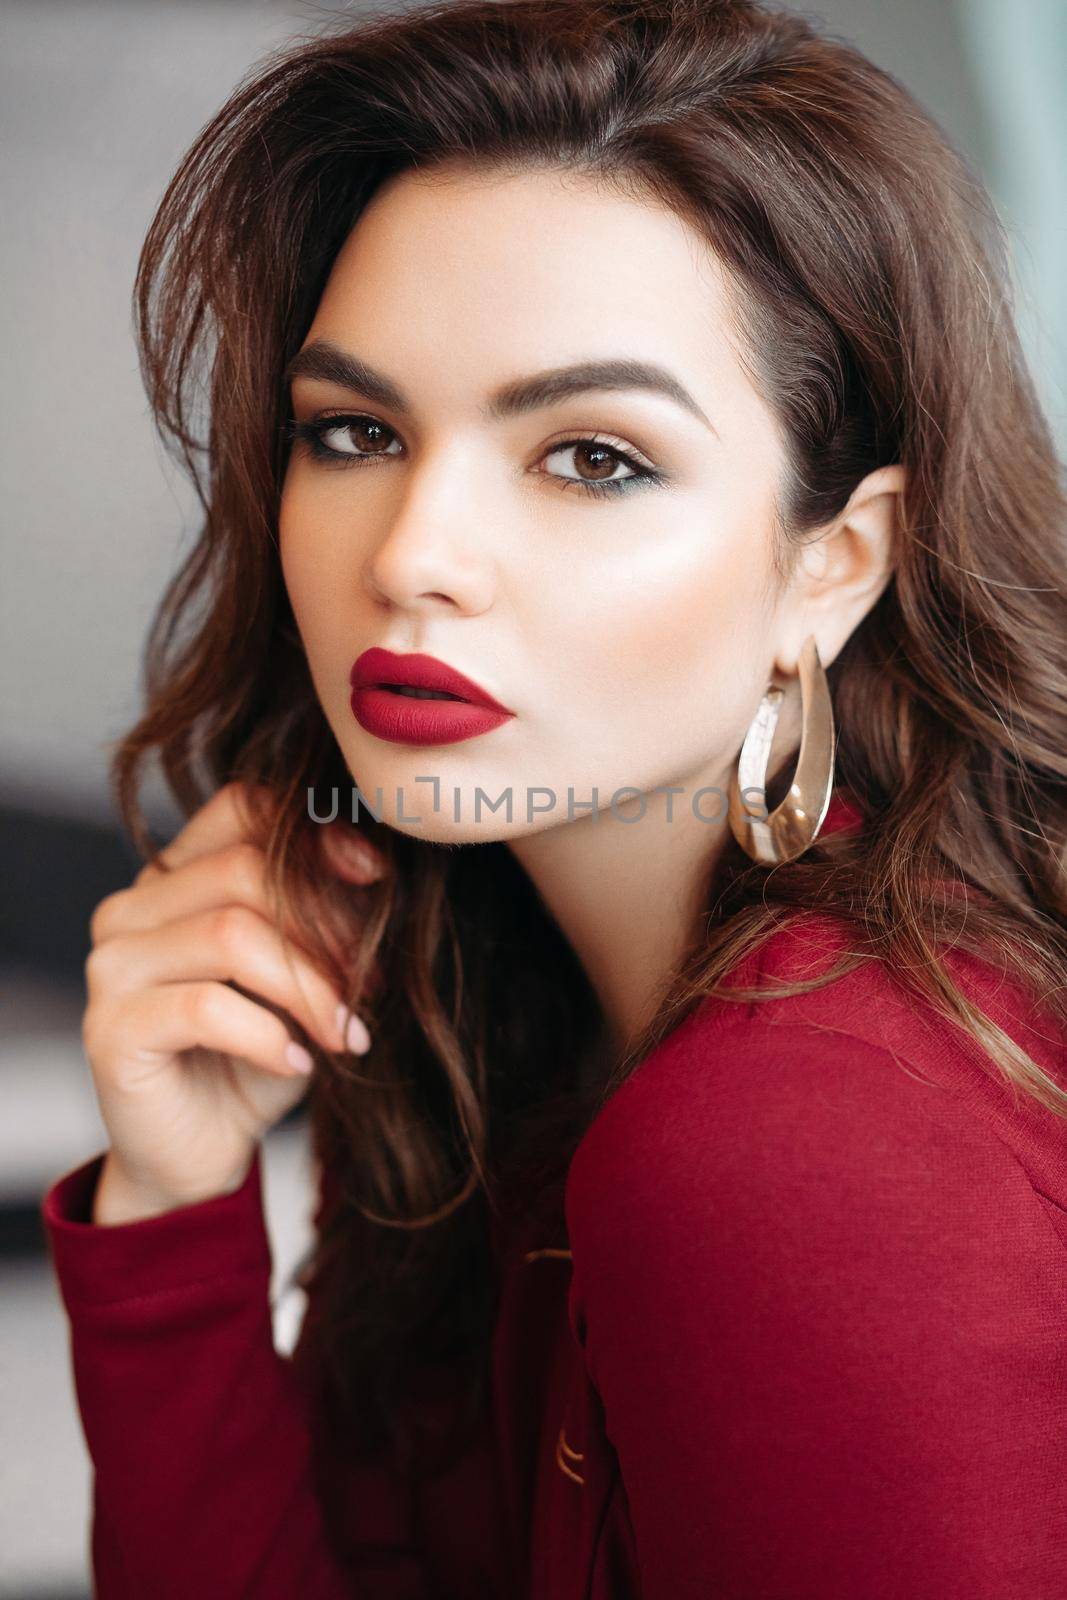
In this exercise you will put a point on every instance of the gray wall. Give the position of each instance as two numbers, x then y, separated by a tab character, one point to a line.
98	100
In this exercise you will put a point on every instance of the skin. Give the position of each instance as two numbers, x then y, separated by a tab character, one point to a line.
633	634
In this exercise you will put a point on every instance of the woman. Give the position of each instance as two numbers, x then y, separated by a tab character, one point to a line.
693	1199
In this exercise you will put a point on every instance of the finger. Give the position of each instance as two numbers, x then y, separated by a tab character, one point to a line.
349	854
234	875
223	820
226	818
182	1016
229	942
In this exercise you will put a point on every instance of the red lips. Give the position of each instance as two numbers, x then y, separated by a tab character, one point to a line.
404	719
418	672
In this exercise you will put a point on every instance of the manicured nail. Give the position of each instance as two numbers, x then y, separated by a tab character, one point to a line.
354	1031
359	855
298	1058
370	865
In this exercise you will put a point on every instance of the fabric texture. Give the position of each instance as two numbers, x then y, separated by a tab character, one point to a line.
805	1336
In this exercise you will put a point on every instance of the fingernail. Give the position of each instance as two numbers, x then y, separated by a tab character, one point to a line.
368	861
353	1030
298	1058
362	858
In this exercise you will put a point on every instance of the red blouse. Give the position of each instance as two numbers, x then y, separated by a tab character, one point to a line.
809	1340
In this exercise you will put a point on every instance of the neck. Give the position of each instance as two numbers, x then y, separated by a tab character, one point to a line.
626	893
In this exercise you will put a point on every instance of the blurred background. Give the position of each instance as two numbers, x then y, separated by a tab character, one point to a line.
98	101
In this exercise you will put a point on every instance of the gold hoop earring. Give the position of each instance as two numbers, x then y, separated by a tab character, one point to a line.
787	831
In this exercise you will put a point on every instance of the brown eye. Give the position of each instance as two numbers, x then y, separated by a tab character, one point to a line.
596	462
601	461
598	467
354	436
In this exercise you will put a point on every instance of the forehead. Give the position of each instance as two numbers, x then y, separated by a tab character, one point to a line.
527	268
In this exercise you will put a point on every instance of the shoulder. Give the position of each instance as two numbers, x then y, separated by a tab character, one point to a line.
831	1093
811	1270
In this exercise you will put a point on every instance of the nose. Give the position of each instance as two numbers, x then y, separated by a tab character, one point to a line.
430	556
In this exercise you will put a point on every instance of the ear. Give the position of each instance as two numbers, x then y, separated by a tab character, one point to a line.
842	570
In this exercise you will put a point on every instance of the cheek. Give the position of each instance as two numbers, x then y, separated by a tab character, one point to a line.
680	614
310	563
313	571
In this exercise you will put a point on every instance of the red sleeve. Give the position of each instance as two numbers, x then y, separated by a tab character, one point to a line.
195	1424
824	1308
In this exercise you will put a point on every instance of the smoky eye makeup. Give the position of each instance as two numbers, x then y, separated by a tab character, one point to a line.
321	437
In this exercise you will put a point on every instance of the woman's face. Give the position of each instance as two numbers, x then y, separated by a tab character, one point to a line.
630	630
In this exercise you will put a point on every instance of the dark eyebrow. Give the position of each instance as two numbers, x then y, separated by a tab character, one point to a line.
331	364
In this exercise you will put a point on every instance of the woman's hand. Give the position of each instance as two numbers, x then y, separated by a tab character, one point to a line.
189	1072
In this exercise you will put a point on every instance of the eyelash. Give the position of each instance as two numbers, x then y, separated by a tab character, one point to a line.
311	434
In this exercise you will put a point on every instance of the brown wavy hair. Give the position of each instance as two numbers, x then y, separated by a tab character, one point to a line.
871	289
